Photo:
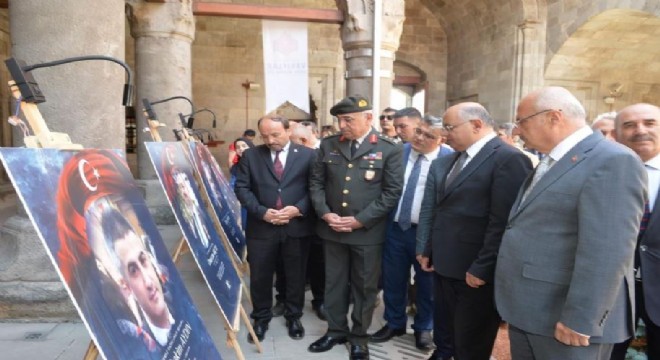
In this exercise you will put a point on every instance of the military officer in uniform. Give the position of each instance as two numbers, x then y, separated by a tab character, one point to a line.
355	182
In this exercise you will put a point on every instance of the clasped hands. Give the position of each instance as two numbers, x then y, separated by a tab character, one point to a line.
342	223
282	216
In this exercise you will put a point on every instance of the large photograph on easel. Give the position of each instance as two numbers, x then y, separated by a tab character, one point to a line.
90	215
176	174
224	201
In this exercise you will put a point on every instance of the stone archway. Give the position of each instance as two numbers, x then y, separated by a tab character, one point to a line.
610	61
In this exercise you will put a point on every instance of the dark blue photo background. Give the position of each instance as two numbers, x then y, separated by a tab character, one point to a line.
213	261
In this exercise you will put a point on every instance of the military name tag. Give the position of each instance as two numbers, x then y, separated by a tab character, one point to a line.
369	175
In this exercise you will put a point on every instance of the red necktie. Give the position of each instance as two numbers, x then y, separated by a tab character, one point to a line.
279	170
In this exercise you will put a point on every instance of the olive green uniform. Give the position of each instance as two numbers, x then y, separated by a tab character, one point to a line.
367	186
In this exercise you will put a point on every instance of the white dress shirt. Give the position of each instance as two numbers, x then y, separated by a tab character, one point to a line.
283	154
653	170
569	142
421	183
474	149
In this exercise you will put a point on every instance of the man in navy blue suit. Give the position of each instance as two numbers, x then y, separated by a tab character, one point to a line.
272	184
399	250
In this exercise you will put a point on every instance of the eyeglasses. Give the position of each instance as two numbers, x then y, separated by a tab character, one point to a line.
427	135
388	117
452	127
517	122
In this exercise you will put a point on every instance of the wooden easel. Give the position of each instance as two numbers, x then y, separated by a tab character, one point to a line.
183	247
44	138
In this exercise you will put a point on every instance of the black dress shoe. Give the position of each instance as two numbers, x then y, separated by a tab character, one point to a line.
359	352
424	340
296	330
436	356
325	343
320	312
278	309
259	330
385	334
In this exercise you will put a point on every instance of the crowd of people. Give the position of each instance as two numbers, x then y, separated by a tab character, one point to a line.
543	223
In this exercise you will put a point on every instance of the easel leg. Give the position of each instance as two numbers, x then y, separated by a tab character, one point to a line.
92	352
246	320
180	249
233	343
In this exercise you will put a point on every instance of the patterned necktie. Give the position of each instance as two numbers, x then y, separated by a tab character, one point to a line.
405	215
458	166
543	167
279	170
354	147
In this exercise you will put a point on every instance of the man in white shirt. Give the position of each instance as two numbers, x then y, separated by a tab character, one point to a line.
400	241
564	276
638	127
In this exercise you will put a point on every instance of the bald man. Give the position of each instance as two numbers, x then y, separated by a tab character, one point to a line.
564	277
466	203
638	127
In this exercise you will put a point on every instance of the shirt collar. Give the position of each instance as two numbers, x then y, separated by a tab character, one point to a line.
429	156
474	149
285	149
654	162
361	139
569	142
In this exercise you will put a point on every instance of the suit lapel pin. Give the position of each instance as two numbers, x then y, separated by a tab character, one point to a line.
574	158
295	150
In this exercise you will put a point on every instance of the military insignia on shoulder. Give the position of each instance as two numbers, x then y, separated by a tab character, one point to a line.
373	138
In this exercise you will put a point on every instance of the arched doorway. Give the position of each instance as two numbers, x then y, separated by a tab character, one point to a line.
611	61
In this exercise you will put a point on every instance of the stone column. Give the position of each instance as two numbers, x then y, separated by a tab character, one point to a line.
163	34
357	41
83	100
530	60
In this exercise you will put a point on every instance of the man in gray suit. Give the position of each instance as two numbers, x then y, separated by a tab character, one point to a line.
564	277
638	127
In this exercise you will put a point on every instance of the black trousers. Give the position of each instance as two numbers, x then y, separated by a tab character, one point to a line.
315	272
652	330
263	256
471	316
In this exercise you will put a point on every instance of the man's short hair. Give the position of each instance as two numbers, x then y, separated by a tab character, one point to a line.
388	110
559	98
410	112
311	125
250	132
604	116
470	112
114	226
280	119
507	128
433	122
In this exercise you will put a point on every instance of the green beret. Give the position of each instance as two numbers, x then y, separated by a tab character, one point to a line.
351	104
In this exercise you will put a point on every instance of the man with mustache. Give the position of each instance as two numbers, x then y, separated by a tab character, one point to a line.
638	127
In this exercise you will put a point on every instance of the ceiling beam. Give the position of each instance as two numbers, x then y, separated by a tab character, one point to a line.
248	11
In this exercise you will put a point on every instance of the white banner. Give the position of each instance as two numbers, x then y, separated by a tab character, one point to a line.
285	64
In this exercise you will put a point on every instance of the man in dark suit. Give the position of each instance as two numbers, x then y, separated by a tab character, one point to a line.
466	203
356	181
564	277
638	127
272	184
399	251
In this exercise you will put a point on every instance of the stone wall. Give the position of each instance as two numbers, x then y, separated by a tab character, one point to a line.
424	46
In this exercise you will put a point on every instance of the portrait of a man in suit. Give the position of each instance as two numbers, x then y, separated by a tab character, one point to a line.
466	202
564	278
638	127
